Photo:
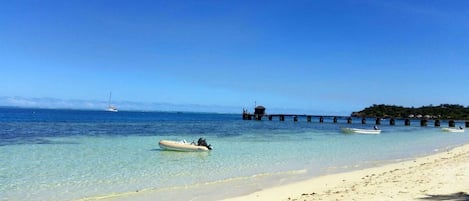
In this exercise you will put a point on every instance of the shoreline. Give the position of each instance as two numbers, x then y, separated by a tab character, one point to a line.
432	177
444	175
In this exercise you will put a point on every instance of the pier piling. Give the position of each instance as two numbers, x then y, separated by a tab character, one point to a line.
349	120
378	121
452	124
392	122
423	122
258	117
363	120
437	123
335	120
321	119
407	122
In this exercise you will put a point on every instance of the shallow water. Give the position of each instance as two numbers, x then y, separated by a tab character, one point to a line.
70	154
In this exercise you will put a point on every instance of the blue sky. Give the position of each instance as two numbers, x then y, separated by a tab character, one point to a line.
331	57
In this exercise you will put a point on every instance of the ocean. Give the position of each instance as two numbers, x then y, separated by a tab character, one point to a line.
49	154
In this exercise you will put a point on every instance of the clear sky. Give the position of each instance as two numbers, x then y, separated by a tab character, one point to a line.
302	56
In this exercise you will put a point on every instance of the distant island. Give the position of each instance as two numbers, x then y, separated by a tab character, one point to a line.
443	111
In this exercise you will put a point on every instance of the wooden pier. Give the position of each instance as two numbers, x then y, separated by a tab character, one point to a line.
259	114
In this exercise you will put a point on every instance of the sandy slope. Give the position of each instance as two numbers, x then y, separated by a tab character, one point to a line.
443	176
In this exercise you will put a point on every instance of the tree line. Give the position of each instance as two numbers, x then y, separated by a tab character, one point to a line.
443	111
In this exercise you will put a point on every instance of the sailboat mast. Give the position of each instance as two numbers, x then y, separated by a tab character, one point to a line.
109	103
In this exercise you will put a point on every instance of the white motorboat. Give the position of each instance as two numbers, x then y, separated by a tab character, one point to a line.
184	146
362	131
453	130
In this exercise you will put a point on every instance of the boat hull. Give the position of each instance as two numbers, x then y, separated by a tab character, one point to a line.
362	131
180	146
453	130
111	109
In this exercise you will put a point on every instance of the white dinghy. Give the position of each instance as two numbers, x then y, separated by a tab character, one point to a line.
362	131
453	130
171	145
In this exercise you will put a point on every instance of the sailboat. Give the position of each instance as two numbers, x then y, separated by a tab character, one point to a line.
111	108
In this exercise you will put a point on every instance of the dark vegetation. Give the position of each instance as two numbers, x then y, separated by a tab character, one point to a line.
443	111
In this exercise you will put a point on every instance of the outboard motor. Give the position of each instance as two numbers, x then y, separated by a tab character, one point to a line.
202	142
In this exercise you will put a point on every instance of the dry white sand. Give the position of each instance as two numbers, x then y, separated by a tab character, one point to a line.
443	176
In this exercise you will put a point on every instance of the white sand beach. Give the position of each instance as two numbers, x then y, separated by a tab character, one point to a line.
443	176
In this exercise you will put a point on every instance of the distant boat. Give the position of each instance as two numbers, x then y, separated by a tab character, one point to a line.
111	108
453	130
361	131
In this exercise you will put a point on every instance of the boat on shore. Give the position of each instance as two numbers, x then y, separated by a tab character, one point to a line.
362	131
453	130
184	146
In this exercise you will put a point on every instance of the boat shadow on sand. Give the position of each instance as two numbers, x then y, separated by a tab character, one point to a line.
459	196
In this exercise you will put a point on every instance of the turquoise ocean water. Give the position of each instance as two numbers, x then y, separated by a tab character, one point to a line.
80	155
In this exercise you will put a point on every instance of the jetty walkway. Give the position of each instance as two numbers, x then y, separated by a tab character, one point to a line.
259	114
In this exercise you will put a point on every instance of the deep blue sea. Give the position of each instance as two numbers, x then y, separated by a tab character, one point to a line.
52	155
